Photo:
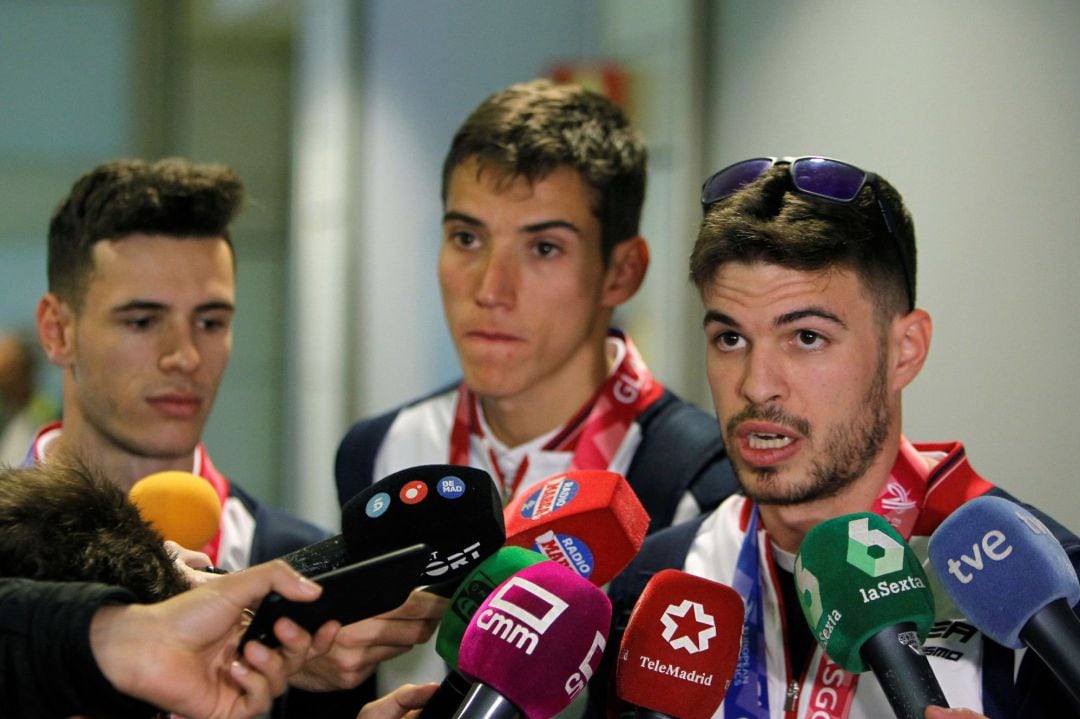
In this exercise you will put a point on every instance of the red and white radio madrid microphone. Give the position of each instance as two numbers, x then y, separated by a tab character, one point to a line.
587	520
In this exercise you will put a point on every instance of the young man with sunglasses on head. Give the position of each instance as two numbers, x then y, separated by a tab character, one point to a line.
542	190
806	270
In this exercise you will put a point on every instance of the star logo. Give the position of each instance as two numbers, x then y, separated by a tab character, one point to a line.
671	621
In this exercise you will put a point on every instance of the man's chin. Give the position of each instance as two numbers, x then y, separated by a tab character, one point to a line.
766	487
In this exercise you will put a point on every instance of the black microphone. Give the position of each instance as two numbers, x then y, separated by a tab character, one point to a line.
351	593
455	510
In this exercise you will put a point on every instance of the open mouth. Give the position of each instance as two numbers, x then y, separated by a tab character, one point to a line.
764	440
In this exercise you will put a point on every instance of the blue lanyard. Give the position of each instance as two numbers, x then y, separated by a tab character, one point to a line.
748	695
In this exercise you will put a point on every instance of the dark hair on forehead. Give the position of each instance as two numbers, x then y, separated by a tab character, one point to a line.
530	129
769	221
171	197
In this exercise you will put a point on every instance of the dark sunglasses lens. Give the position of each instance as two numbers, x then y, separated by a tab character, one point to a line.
827	178
732	179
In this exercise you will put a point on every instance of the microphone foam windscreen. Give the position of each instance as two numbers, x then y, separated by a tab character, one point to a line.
681	645
455	510
587	520
1001	564
473	590
855	576
180	506
537	639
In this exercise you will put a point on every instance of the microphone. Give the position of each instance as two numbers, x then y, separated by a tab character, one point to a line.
589	521
1013	580
455	510
533	644
180	506
868	603
348	595
472	591
680	647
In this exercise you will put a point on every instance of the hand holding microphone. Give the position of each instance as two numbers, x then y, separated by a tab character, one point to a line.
680	648
866	598
1008	574
455	511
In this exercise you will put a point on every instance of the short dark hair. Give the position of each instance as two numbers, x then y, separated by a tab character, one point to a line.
770	221
63	522
530	129
170	197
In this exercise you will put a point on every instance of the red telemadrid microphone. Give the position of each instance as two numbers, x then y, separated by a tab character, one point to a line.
181	506
587	520
680	647
533	644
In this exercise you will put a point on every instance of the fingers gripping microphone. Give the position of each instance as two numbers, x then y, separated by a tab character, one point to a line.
472	591
587	520
181	506
1005	570
455	510
533	644
680	647
866	598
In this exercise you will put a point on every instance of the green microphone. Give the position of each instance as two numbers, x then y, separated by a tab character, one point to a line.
464	602
868	603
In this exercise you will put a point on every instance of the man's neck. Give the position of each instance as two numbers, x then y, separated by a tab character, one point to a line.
122	468
533	413
788	525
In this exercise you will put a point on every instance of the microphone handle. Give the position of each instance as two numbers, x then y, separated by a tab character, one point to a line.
1053	633
321	557
643	713
903	671
447	698
483	702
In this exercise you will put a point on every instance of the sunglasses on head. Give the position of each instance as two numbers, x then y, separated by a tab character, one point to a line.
815	176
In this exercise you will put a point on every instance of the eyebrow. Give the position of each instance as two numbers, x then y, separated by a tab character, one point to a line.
455	216
149	306
787	318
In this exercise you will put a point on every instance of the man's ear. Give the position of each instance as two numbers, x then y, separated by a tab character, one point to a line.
56	329
625	271
911	336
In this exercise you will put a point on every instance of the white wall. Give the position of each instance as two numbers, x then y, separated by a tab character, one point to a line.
971	109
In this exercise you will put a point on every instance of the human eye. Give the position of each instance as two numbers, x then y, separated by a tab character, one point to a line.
213	323
547	248
728	341
465	239
140	322
810	340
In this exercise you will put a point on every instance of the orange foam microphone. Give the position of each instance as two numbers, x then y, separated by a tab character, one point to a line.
180	506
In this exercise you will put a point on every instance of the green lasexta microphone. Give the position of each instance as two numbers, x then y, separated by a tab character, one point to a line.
868	603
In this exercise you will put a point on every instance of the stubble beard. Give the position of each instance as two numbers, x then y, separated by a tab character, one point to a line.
847	452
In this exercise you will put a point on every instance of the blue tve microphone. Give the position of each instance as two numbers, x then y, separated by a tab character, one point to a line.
1005	570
